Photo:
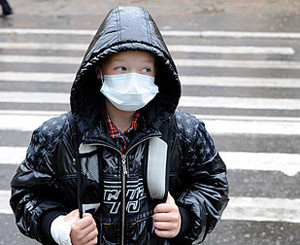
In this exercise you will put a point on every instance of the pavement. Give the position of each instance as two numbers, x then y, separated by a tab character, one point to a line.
239	63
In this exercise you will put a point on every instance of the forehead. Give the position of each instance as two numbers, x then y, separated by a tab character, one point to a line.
131	56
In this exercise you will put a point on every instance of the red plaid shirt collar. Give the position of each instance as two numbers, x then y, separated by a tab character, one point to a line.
115	133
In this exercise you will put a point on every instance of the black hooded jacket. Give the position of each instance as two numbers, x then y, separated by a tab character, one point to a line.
46	183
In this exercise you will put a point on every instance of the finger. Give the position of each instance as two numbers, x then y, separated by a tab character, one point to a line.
88	223
167	226
163	208
163	217
170	199
89	236
83	223
93	241
83	236
74	215
165	233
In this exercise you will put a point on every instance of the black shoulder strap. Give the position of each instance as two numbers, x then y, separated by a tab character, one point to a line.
167	134
76	143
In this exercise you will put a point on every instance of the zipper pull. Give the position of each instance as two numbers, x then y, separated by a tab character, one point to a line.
124	164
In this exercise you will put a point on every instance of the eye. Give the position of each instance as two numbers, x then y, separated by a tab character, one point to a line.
146	70
120	68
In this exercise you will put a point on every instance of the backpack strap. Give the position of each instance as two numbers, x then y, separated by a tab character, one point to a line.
158	163
76	143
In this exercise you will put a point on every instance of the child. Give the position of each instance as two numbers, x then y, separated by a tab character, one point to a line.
140	171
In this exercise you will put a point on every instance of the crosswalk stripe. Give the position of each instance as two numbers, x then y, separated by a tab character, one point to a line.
4	202
240	103
32	113
252	127
239	208
255	64
47	46
281	162
40	59
263	209
203	34
12	155
172	48
204	117
35	97
185	80
215	126
243	34
185	101
29	31
36	76
240	82
251	64
231	49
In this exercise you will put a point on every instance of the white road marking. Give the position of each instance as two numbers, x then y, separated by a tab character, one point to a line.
40	59
263	209
35	97
239	208
185	101
203	117
31	113
29	31
185	80
232	34
240	103
214	125
241	34
172	48
220	127
231	49
12	155
21	123
37	76
240	82
251	64
47	46
4	202
203	34
243	118
288	164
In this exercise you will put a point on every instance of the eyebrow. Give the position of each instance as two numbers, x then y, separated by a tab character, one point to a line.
121	59
144	62
148	61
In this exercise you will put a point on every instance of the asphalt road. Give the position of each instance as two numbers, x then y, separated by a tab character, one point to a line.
239	63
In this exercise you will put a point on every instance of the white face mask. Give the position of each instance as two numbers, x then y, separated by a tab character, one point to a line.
129	91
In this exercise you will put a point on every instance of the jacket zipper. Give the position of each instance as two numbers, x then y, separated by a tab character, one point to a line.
124	175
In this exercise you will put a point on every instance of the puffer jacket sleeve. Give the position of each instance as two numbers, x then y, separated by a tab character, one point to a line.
206	192
35	191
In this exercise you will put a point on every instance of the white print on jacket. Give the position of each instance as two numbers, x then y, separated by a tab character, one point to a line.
134	194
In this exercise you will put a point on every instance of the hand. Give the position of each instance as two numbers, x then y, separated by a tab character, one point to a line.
167	218
83	231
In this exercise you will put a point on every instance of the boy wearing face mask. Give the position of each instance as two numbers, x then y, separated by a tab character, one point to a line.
89	176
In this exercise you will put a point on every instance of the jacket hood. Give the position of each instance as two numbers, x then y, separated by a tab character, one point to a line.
125	28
